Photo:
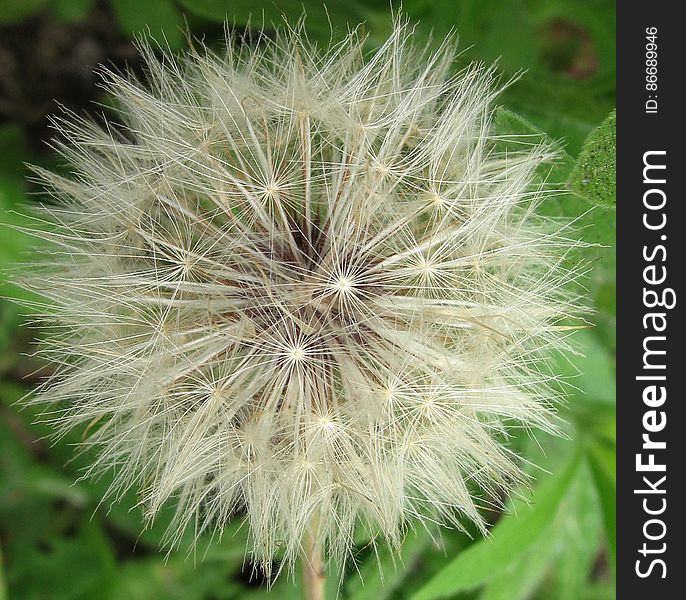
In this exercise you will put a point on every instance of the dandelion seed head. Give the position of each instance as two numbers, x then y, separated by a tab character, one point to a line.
304	288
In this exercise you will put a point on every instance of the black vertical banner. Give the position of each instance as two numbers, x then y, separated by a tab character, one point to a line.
651	249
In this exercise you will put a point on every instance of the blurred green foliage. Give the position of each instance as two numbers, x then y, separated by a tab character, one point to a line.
555	542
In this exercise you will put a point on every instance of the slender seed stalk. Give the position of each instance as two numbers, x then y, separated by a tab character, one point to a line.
314	577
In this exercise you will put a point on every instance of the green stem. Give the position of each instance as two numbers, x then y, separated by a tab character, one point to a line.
314	578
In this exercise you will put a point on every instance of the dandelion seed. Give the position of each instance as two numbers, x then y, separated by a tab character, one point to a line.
304	288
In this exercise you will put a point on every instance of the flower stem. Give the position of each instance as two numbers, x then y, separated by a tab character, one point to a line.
314	579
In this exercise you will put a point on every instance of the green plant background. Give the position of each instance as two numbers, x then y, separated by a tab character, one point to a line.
556	540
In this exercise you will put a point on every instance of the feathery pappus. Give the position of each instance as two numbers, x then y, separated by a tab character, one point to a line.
304	287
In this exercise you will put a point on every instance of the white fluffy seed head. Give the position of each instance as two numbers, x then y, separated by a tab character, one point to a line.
303	287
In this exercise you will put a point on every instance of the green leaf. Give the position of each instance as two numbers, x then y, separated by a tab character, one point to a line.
592	373
158	17
522	578
565	550
605	590
511	537
603	459
595	172
580	535
384	573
